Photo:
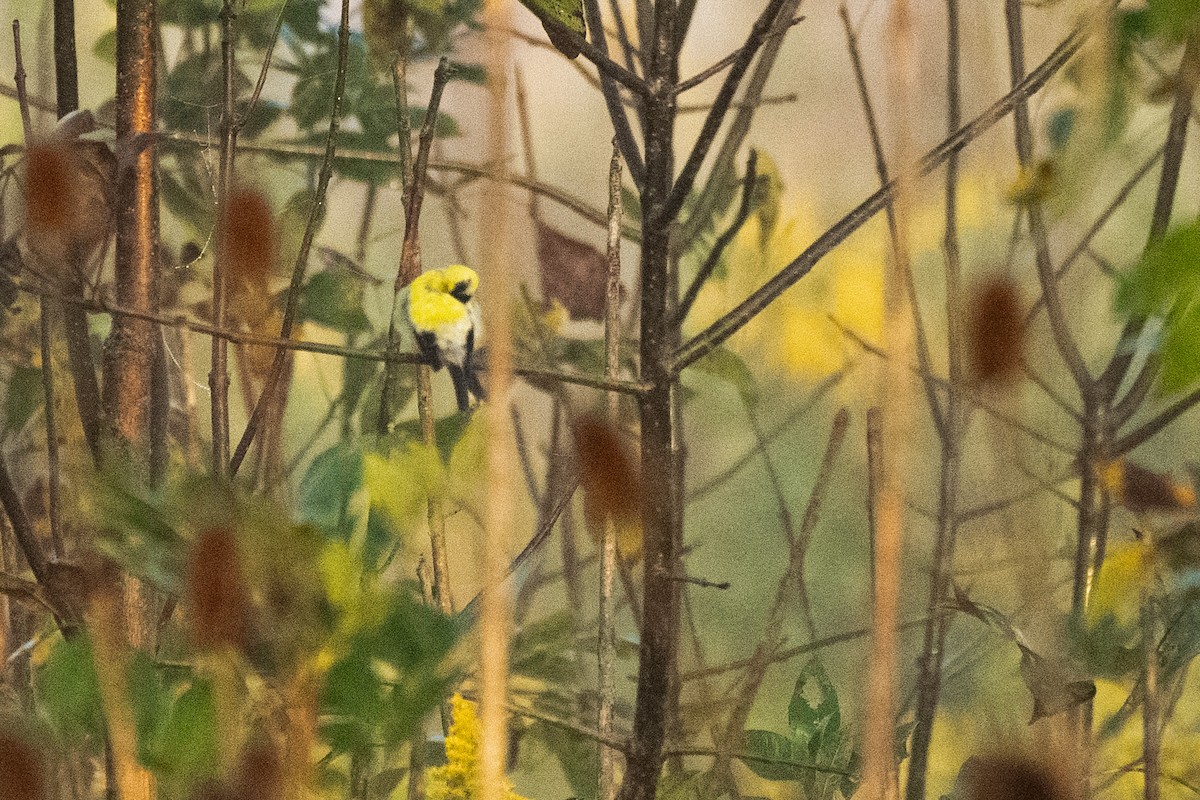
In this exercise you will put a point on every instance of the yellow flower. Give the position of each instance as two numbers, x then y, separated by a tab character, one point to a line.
461	778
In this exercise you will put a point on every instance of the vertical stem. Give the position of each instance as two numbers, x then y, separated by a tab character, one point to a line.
502	467
218	376
133	344
662	516
1151	710
52	456
936	628
879	768
606	651
66	76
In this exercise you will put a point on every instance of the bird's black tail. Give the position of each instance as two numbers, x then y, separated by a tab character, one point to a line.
461	385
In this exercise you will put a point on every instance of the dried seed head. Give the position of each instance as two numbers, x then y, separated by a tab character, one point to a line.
1008	778
216	591
68	202
249	229
22	769
996	332
259	772
611	482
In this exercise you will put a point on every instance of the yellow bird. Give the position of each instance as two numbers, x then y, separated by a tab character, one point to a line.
446	322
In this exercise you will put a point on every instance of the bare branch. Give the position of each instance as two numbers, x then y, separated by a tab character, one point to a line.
734	320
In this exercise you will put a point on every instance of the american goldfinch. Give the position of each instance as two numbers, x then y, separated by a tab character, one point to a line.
446	322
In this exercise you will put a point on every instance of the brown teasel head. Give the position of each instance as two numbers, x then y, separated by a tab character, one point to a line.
1008	777
22	768
218	599
259	773
248	226
996	333
607	471
68	201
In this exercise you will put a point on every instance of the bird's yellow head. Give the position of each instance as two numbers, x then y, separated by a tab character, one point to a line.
461	282
433	281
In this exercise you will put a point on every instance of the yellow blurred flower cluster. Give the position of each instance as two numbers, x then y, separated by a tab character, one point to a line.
461	778
801	332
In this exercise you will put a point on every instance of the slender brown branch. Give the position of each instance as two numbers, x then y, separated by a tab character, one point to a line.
1181	112
14	509
612	98
749	182
606	657
265	70
729	60
218	376
1064	340
930	662
315	213
682	186
472	171
407	271
735	319
66	73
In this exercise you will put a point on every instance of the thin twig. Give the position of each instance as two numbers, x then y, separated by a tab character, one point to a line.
929	679
612	98
310	231
256	94
794	416
705	74
218	376
1095	228
606	624
749	182
1064	340
682	186
14	509
733	321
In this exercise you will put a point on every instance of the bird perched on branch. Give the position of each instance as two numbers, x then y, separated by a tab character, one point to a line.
446	322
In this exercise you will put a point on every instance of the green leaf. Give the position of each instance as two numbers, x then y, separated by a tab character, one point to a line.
1173	18
150	701
728	366
1167	282
772	748
188	749
559	17
24	396
187	197
446	433
814	711
68	690
401	483
468	72
332	479
105	47
335	299
351	702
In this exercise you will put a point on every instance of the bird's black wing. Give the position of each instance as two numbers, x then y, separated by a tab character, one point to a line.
427	344
469	369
